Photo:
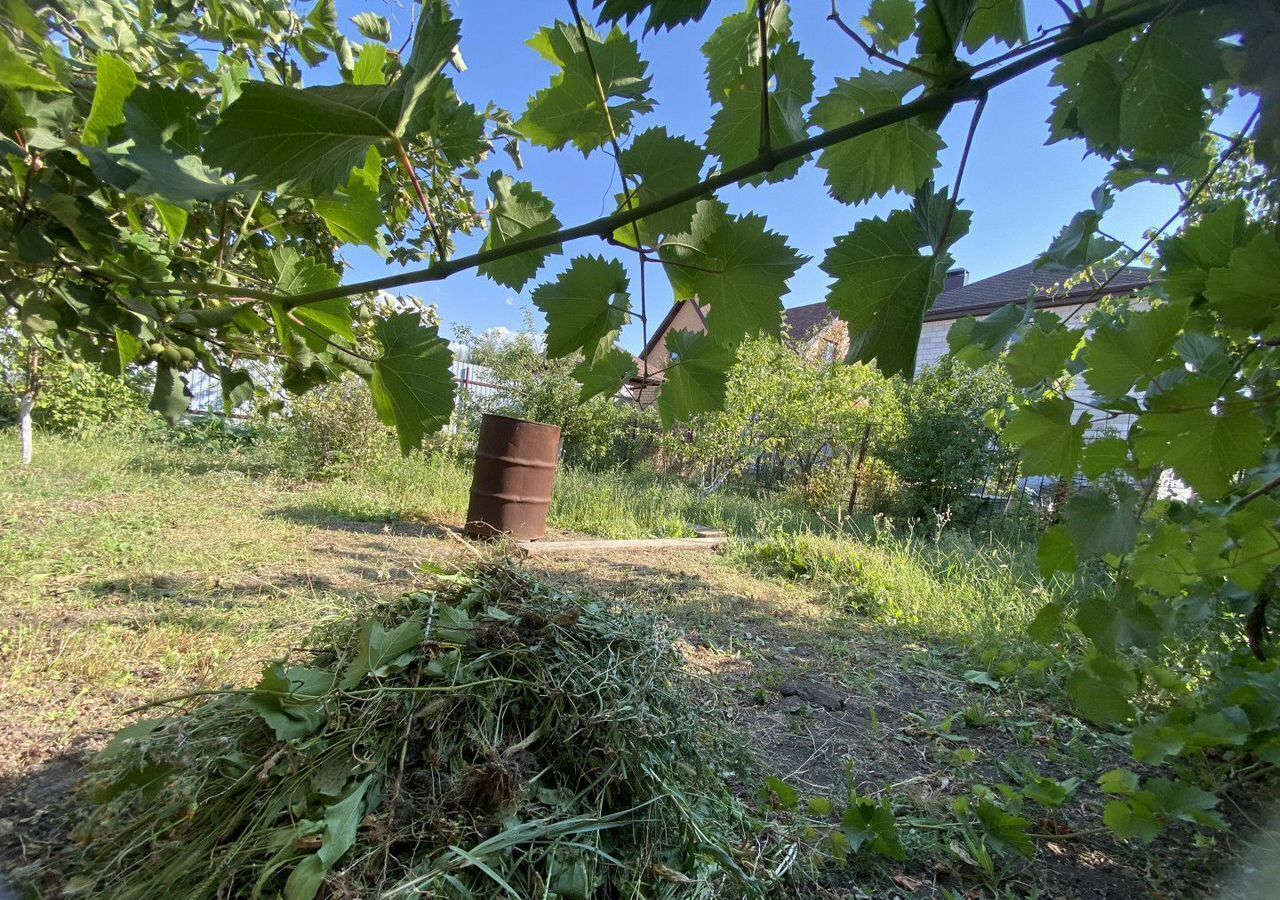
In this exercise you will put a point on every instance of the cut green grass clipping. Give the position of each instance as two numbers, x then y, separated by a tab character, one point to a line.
493	737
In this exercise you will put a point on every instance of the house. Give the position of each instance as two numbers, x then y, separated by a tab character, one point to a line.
819	334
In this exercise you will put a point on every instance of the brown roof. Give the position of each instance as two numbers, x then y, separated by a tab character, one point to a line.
803	321
986	296
979	298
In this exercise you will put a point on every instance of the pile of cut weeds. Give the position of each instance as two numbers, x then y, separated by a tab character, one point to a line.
492	737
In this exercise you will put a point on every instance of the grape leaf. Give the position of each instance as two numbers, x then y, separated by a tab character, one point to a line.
1203	439
297	274
518	212
1162	101
320	322
866	822
372	26
695	377
1131	818
1206	244
733	49
171	397
454	128
1079	244
890	23
1056	553
946	24
1005	831
605	373
115	82
734	265
1049	441
662	13
1004	21
1099	525
884	284
1261	44
734	135
979	341
568	111
664	164
1104	455
899	157
1042	352
1101	689
1246	292
1088	104
586	304
1186	801
1118	355
412	383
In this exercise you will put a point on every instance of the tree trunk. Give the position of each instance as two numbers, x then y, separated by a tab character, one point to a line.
25	404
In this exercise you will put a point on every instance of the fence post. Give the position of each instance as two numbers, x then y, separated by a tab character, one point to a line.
857	470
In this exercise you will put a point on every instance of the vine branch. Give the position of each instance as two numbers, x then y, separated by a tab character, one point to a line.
930	104
407	165
872	50
603	100
765	131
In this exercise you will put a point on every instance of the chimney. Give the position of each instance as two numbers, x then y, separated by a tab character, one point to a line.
956	278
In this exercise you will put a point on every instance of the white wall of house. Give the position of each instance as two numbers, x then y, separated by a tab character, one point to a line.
933	346
933	335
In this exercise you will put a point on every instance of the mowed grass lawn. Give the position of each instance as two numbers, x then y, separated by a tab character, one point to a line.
133	571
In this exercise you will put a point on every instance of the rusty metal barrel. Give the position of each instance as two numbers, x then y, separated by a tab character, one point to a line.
511	488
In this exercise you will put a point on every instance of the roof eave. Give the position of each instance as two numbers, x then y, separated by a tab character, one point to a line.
990	306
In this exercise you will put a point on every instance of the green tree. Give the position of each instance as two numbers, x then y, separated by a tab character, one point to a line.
788	416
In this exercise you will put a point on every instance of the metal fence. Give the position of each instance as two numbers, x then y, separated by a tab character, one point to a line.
475	385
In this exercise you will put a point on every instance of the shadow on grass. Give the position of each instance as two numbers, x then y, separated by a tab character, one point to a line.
318	515
42	806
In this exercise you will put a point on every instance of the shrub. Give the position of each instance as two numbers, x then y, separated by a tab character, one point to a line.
76	396
946	451
333	428
210	432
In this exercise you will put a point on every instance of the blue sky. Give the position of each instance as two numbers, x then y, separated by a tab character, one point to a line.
1021	191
